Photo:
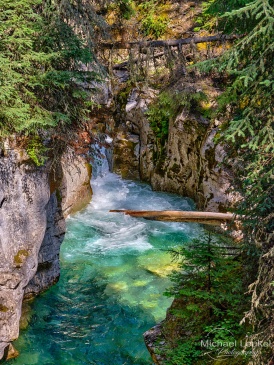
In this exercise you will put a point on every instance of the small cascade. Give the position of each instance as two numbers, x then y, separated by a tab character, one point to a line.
100	165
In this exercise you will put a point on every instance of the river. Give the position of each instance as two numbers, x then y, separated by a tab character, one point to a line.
114	270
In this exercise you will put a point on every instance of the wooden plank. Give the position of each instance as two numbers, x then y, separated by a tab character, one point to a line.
211	218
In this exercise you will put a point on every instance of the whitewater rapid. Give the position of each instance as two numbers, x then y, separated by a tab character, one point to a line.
114	271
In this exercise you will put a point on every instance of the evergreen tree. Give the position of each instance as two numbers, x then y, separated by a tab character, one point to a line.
248	103
249	134
41	68
209	287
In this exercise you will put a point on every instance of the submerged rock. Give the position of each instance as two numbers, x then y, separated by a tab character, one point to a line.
162	267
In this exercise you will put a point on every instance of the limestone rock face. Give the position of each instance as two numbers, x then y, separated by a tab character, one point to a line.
179	171
164	333
213	188
48	269
75	186
151	337
188	163
191	166
134	138
25	194
125	160
32	228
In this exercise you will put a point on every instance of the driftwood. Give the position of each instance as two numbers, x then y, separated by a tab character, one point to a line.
169	43
123	65
181	216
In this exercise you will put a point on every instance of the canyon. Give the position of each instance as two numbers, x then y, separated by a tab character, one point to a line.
35	200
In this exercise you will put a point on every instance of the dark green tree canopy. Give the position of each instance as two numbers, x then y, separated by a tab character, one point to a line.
42	54
248	102
246	107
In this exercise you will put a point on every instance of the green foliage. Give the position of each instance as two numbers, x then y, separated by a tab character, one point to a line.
37	151
204	279
249	95
209	287
153	24
160	113
248	134
41	58
212	10
126	8
167	106
252	128
186	353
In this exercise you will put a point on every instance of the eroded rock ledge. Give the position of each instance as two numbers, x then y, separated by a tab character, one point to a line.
34	202
188	164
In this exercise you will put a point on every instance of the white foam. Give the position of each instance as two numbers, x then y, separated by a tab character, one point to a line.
104	244
116	231
108	139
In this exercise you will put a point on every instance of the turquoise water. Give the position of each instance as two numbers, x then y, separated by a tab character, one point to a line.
113	272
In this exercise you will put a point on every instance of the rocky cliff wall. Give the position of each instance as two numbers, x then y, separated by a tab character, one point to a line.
188	163
33	204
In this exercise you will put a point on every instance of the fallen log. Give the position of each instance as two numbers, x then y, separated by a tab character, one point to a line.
170	42
123	65
181	216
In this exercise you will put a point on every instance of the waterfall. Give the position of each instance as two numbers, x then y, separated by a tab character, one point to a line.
100	166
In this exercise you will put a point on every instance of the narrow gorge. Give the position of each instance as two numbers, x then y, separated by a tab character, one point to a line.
36	200
114	271
121	105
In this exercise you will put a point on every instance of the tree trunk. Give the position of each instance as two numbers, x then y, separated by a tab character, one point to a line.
181	216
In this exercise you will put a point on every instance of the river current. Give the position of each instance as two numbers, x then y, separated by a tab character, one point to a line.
114	270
